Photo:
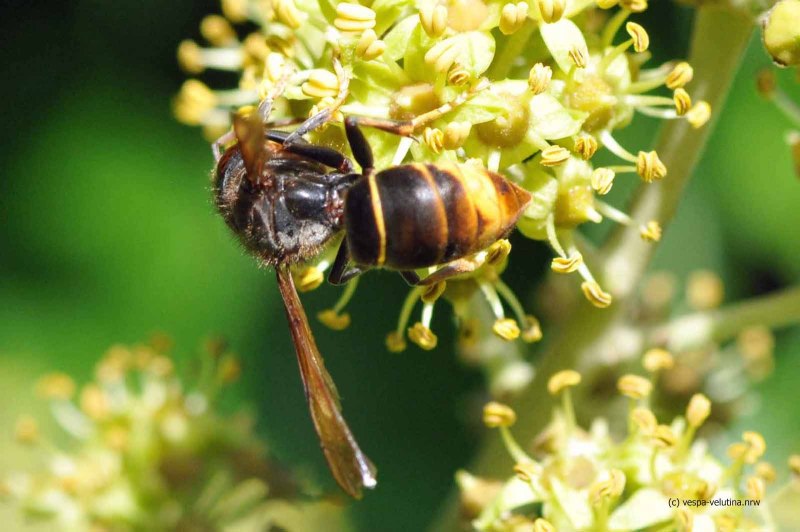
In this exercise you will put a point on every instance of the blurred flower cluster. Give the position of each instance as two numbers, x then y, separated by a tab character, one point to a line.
529	89
149	451
658	476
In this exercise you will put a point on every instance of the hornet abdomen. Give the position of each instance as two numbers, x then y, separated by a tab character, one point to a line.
418	215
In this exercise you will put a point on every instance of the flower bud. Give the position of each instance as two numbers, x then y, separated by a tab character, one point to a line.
782	33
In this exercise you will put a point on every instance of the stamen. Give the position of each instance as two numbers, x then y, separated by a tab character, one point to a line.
554	156
395	341
434	139
513	17
551	11
641	41
613	213
699	114
369	47
682	100
610	143
651	231
493	299
539	78
680	76
603	180
353	18
433	19
650	167
402	150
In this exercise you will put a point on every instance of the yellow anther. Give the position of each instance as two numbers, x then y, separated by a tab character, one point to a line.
699	114
532	331
190	57
309	278
651	231
216	30
56	386
333	320
94	402
704	290
596	295
634	386
353	18
766	471
606	4
395	342
645	420
657	359
286	12
551	10
636	6
682	100
512	17
369	47
586	146
756	446
422	336
498	415
321	83
527	471
554	155
497	252
663	437
433	292
680	75
506	328
641	40
26	431
567	264
455	134
566	378
539	78
543	525
756	487
610	488
274	66
458	75
794	464
235	10
685	519
579	56
698	410
650	167
433	19
737	450
433	138
603	180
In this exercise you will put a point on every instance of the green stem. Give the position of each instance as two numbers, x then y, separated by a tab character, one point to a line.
719	39
699	328
512	49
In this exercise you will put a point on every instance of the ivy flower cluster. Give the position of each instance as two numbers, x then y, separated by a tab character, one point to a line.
529	89
659	476
150	452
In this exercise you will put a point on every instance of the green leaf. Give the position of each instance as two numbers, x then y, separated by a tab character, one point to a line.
387	12
551	120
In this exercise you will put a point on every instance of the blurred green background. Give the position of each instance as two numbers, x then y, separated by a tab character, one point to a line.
108	234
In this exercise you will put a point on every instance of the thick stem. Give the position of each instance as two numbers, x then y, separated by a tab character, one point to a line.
694	330
719	38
